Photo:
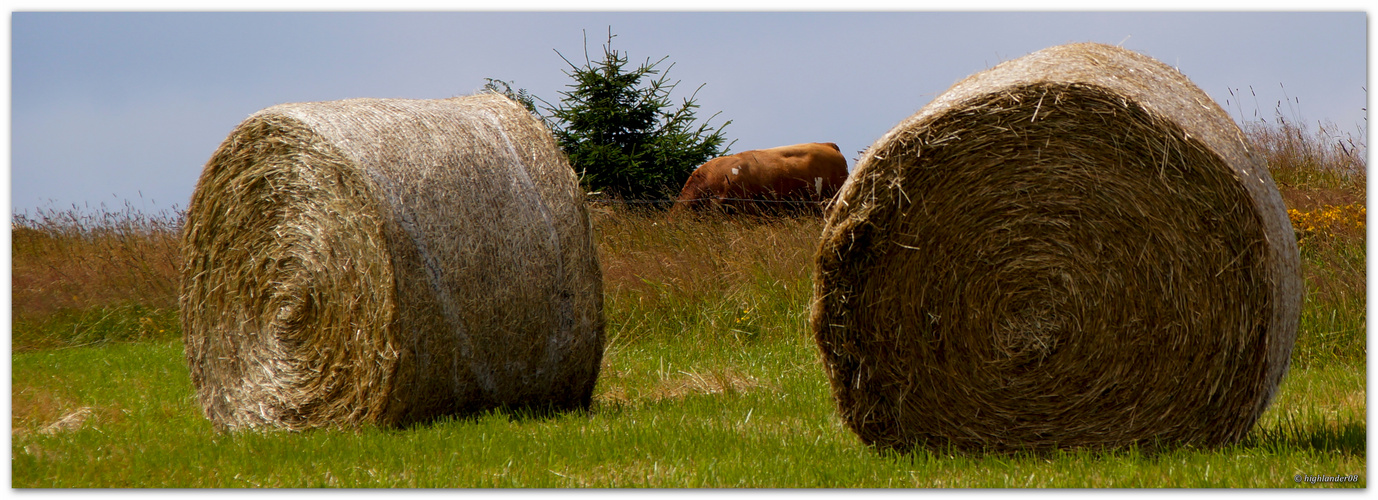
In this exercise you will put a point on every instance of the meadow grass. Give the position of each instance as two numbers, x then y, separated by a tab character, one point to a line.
81	277
710	379
672	413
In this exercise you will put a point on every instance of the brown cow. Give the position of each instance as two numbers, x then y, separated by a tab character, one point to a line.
739	183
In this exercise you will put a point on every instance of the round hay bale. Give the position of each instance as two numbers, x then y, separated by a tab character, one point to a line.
388	261
1076	248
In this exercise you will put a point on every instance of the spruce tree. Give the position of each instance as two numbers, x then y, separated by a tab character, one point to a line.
623	134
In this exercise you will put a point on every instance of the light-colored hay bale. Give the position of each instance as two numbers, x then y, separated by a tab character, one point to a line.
388	261
1072	249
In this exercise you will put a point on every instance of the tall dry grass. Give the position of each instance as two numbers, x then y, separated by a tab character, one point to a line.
701	257
1327	165
1300	158
70	259
1322	174
80	277
704	275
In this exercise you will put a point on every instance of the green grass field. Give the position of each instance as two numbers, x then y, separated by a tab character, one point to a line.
670	415
710	379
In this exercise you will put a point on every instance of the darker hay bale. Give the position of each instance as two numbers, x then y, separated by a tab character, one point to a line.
388	261
1072	249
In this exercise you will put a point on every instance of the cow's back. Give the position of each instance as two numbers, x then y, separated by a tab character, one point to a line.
798	172
819	165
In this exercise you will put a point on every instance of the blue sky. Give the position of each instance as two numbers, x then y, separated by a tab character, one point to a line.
109	107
